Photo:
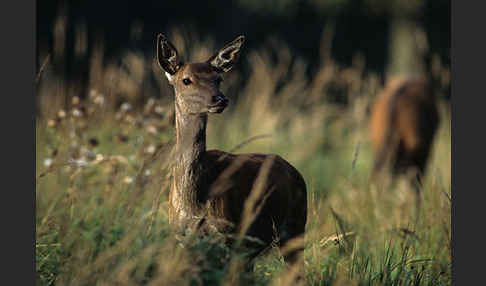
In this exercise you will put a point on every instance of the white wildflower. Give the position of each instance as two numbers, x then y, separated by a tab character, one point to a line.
100	100
152	129
76	112
128	180
99	158
48	162
126	106
81	162
61	113
150	149
159	109
92	93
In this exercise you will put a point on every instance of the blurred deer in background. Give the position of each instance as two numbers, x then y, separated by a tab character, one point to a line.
404	121
260	195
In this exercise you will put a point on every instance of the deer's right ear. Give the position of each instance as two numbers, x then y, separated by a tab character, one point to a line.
225	58
167	56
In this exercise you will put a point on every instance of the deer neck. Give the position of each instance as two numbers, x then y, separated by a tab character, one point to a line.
188	168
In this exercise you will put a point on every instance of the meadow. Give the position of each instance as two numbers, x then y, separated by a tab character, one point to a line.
103	173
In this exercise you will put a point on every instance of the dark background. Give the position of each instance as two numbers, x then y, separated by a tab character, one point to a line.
359	26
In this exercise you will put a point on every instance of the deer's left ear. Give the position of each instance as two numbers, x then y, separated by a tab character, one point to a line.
167	55
225	58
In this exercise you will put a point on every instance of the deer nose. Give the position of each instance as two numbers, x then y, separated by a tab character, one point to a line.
220	98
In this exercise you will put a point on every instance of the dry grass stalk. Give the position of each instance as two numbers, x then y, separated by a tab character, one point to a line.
254	202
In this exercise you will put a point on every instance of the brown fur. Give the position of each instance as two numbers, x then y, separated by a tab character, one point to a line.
285	207
403	124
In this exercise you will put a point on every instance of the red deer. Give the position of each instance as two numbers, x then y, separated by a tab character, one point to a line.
403	124
200	174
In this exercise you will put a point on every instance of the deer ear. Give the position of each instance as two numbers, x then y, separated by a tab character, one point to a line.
225	58
167	55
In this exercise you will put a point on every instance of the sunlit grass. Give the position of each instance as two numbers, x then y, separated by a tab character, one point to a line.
101	209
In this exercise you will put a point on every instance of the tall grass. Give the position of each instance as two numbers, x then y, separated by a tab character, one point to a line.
102	165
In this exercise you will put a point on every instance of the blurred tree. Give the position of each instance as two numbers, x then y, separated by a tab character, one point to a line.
279	7
331	7
407	46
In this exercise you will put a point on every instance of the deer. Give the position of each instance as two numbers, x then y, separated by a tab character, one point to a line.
212	187
403	124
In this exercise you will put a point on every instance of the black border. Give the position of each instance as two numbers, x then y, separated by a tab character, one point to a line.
18	212
468	79
18	132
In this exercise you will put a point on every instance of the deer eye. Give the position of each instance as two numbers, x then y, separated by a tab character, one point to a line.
187	81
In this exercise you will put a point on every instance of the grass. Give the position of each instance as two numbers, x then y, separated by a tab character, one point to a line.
102	184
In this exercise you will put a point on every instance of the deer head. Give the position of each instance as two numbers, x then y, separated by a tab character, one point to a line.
197	85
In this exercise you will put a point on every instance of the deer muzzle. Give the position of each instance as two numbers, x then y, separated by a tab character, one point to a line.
218	103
